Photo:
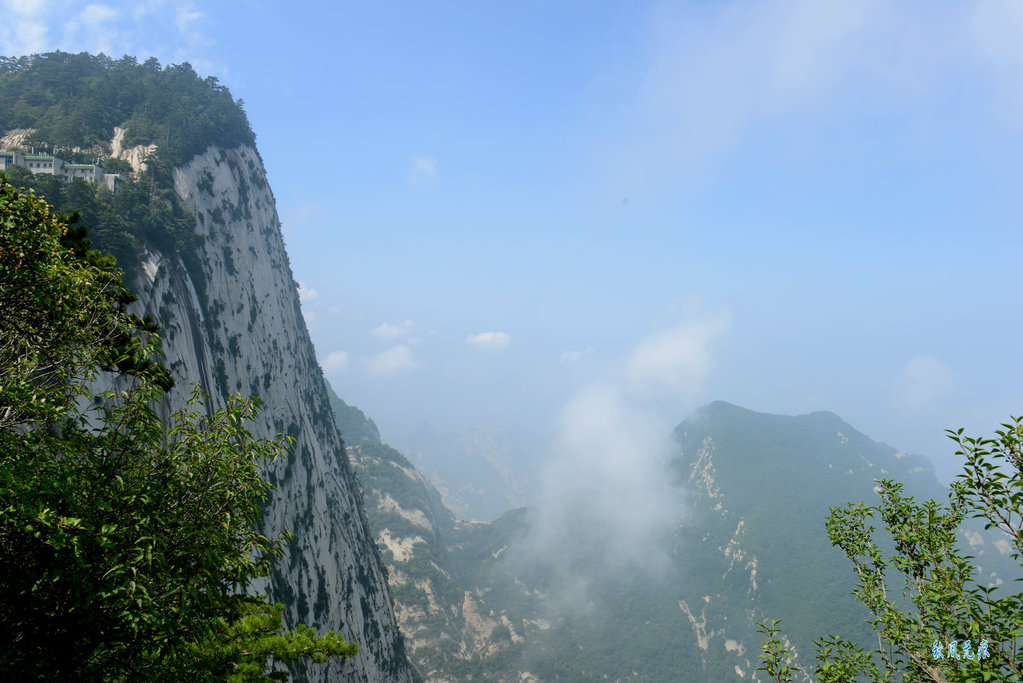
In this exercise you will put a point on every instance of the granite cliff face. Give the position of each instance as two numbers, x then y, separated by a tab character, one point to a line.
236	326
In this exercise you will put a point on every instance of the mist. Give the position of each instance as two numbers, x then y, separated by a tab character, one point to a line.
608	500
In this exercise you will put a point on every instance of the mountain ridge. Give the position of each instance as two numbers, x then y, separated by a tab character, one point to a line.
473	603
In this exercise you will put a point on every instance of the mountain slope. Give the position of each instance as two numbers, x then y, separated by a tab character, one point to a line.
477	602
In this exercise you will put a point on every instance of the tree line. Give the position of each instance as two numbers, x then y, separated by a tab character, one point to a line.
76	100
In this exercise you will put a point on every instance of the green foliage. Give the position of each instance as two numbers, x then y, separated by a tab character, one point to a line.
62	314
930	615
777	660
76	100
143	213
118	166
125	542
240	649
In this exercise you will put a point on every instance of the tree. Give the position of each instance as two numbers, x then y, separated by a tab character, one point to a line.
933	620
125	543
62	312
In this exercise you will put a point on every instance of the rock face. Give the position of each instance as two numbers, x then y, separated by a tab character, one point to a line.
236	326
15	139
135	156
456	625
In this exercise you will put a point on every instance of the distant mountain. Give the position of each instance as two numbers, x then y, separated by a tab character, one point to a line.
353	425
476	601
480	473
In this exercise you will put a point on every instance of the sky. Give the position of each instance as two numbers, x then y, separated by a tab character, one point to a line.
495	209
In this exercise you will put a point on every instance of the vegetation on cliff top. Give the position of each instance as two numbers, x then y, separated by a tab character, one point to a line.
76	100
73	102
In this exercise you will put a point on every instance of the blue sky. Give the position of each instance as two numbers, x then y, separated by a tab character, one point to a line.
792	206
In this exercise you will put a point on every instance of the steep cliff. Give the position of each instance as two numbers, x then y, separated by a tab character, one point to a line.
194	224
236	326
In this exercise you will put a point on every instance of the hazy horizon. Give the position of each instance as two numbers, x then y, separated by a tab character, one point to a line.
792	207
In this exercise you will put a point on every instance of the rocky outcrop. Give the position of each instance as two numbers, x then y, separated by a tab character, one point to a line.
135	155
15	138
233	324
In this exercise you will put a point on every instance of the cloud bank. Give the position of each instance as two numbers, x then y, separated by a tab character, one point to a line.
606	494
489	340
676	362
172	31
306	294
336	362
717	75
390	362
389	331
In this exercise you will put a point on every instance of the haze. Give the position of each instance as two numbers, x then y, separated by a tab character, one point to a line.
498	212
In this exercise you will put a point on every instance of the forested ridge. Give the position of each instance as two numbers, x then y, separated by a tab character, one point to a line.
75	101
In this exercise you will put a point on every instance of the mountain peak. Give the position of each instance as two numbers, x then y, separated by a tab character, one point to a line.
798	445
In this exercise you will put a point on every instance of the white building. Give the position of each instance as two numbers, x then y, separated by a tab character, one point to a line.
42	163
51	165
8	159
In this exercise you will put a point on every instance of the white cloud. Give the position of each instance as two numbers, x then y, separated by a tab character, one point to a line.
141	8
25	31
185	16
613	443
173	32
609	447
718	74
998	38
389	331
391	362
94	15
25	8
576	356
95	25
24	37
676	361
424	171
491	340
306	294
922	384
716	68
336	362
